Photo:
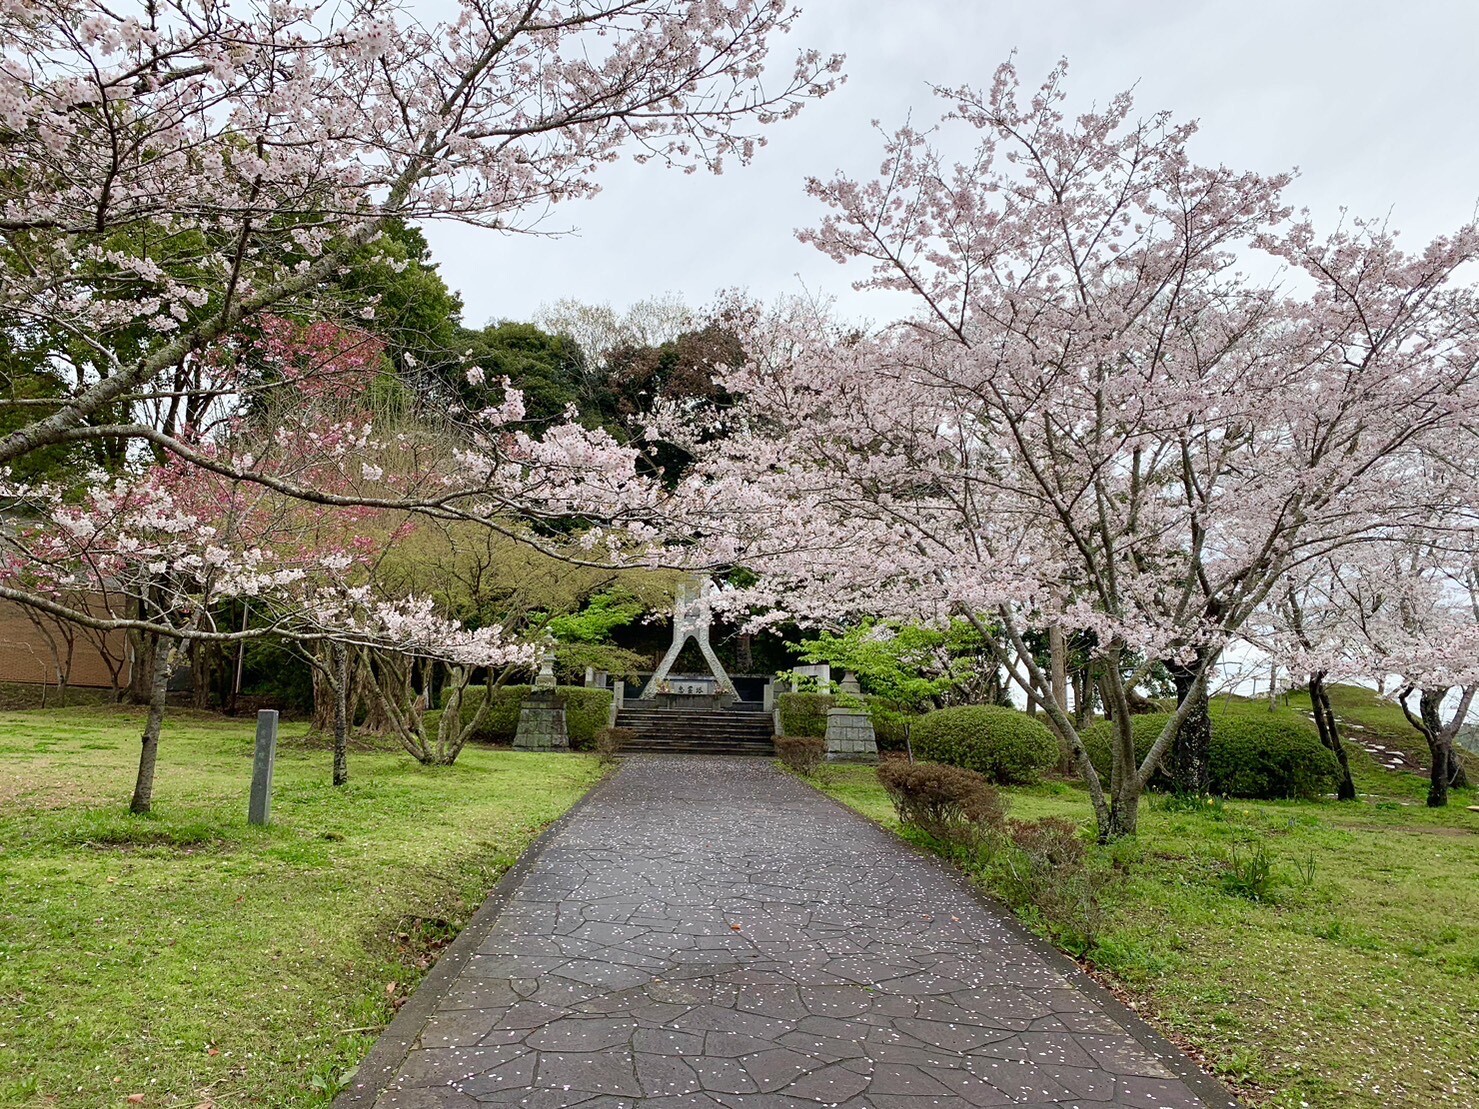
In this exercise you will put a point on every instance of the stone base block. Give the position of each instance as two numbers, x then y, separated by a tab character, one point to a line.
541	727
850	736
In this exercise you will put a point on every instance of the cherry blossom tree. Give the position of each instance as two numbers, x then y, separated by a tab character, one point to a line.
177	177
160	552
1411	605
1311	629
1094	422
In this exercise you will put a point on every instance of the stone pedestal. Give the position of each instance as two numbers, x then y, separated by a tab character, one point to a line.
542	723
850	736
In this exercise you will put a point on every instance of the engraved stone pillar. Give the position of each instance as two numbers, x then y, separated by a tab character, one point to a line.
542	716
850	735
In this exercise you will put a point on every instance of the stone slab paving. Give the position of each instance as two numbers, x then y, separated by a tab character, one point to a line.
708	932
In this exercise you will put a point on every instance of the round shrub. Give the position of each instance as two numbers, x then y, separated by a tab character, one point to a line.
1005	745
1261	755
804	754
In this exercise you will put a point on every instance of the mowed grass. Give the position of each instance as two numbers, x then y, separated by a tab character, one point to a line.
1353	982
194	959
1368	716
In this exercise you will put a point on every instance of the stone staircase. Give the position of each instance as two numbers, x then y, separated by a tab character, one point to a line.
732	731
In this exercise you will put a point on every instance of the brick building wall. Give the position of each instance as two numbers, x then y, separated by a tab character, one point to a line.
26	657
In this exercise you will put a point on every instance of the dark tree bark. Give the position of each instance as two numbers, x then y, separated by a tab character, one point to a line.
1432	730
203	661
161	652
1446	766
744	652
339	658
1191	754
140	678
1329	731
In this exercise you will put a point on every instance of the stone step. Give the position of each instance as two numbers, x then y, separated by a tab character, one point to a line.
697	721
697	731
657	744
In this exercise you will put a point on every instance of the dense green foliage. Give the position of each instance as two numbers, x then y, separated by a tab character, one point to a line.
584	639
1001	743
1256	753
587	711
549	369
911	665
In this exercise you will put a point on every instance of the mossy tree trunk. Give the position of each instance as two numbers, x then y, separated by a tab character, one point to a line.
339	661
161	653
1191	753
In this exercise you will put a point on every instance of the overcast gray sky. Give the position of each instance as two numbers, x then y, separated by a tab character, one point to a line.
1376	103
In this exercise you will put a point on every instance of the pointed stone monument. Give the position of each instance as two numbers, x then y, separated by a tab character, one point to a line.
692	616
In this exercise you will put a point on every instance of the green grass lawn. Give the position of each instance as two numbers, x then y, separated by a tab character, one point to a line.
192	958
1354	983
1377	720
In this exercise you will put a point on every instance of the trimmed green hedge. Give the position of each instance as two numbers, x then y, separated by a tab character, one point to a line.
1261	755
805	714
1003	744
586	712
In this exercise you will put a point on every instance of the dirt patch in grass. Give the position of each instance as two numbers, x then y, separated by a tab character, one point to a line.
39	786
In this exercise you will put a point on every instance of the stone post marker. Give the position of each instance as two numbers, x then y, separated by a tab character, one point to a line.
542	724
850	735
259	810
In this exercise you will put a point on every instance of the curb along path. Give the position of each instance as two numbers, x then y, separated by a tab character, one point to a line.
711	932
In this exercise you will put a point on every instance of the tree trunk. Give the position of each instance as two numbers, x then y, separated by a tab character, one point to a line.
1191	754
339	656
202	662
162	653
1124	786
377	721
325	697
1058	664
1123	818
1083	697
1458	777
1439	747
140	678
1329	731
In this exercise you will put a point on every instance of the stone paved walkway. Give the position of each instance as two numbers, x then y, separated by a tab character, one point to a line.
710	932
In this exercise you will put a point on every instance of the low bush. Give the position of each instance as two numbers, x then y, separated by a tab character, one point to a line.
1251	875
803	714
586	713
801	753
1005	745
1049	872
610	741
1255	753
947	802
